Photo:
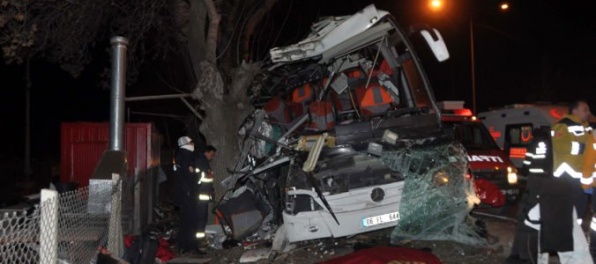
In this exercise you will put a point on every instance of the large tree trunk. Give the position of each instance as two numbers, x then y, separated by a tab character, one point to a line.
225	109
224	115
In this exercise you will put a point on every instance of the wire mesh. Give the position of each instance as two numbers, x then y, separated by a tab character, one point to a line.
19	235
71	226
127	206
115	243
82	229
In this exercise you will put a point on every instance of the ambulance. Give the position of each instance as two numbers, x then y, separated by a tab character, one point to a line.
487	160
511	126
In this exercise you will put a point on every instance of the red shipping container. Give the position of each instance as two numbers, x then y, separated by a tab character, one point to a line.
82	145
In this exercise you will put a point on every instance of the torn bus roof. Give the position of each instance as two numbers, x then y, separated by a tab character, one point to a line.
328	36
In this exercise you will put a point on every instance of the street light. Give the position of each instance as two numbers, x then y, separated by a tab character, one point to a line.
503	6
435	5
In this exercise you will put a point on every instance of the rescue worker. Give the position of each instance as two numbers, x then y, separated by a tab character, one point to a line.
589	171
563	201
203	190
185	174
537	166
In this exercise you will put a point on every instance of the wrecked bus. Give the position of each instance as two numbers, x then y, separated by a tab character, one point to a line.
348	139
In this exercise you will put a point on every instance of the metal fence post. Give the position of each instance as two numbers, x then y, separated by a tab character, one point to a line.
115	243
48	233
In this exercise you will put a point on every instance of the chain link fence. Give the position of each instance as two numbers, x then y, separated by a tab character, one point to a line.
83	222
70	227
63	228
19	233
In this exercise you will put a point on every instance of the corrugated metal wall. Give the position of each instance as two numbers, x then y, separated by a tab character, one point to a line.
82	144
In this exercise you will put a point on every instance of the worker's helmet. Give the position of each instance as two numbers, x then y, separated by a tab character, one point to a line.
184	140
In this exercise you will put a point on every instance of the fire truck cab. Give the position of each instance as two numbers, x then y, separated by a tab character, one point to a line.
487	160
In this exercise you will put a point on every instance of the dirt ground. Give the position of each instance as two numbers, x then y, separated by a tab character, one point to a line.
500	237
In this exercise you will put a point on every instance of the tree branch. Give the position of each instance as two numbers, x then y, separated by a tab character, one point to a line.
252	24
212	30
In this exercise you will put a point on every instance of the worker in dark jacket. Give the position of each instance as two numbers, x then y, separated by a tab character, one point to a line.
203	189
537	166
185	175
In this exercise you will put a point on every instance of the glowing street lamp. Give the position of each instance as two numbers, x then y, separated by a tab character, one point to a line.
435	5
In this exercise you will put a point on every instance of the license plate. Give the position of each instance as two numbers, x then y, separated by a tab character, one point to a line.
380	219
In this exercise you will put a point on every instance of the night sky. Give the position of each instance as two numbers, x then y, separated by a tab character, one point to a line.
535	51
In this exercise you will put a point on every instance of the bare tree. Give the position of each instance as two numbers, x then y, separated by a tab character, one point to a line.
69	32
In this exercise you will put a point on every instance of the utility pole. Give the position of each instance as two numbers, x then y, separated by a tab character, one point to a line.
472	65
27	120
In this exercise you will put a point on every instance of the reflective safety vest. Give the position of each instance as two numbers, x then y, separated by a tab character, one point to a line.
571	137
590	169
539	155
589	166
205	186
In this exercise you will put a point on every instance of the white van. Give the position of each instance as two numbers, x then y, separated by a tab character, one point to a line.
512	125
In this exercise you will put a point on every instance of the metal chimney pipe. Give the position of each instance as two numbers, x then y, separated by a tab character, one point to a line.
117	95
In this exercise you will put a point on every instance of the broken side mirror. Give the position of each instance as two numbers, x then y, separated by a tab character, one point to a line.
434	40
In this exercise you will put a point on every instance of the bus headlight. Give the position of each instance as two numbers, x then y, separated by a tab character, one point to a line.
511	175
440	178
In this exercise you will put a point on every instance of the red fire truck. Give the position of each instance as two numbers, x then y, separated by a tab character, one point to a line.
489	165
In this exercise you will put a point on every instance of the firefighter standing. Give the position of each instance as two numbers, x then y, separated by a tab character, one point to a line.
185	174
537	166
203	190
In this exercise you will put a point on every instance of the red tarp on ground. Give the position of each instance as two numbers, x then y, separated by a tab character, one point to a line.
384	255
